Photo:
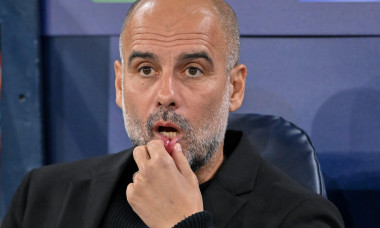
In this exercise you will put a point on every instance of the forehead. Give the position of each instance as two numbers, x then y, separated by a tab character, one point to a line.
171	25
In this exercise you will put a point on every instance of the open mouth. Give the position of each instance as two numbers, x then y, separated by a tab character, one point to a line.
168	132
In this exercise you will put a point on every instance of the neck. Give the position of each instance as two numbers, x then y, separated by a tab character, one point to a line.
208	171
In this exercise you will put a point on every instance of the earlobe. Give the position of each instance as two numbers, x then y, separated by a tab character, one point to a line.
118	80
237	81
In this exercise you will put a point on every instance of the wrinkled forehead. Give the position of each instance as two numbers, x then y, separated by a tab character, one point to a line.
175	20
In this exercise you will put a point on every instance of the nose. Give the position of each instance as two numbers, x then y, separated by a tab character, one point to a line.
167	96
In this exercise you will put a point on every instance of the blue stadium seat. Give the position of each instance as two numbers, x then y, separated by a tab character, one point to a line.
284	145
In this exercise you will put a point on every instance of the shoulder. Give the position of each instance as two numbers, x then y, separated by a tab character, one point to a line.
285	203
313	211
86	168
48	190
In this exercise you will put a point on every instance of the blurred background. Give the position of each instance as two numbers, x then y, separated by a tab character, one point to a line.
315	63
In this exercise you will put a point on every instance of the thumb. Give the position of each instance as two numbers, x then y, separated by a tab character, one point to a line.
181	161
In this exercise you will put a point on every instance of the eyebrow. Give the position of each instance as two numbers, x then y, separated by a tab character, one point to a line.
143	55
197	55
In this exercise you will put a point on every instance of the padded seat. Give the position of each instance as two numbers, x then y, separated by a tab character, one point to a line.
284	145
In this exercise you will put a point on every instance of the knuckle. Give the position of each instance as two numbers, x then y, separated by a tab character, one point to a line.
132	194
138	149
151	143
135	152
137	178
154	143
130	191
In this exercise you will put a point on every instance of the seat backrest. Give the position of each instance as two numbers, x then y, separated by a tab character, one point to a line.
284	145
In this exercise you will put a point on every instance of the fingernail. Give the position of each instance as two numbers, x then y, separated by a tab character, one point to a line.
178	147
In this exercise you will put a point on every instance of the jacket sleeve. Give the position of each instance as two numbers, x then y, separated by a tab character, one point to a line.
314	212
15	213
201	219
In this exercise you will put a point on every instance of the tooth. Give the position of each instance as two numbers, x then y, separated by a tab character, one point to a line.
169	134
166	134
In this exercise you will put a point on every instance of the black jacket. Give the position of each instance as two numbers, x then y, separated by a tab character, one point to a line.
246	192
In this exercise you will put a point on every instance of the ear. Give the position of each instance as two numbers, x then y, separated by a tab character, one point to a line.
237	86
118	76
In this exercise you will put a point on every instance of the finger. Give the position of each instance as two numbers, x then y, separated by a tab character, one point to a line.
130	193
141	155
156	149
181	161
133	177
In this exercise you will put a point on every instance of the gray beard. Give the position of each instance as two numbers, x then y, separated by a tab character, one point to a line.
198	145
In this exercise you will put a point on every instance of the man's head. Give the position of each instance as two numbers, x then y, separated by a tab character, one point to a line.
179	75
229	24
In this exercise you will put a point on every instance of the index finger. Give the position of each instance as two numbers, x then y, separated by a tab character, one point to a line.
141	155
156	149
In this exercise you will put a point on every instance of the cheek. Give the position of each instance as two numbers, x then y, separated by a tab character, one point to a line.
134	102
133	87
136	93
204	106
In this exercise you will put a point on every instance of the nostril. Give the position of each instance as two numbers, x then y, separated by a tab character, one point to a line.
172	104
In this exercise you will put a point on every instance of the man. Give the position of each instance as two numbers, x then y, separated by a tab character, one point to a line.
177	81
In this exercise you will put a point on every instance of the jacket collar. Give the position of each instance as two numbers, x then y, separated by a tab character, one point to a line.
222	196
236	177
92	193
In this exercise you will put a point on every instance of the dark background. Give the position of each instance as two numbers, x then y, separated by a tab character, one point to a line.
316	64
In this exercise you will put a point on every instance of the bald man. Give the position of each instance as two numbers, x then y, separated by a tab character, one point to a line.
178	79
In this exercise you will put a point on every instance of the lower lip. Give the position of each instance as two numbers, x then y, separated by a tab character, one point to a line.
169	145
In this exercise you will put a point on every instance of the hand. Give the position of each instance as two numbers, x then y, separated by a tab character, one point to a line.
164	190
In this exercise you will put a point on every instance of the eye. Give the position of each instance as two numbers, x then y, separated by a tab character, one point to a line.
146	71
192	71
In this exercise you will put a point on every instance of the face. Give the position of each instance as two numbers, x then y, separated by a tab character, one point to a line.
173	78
